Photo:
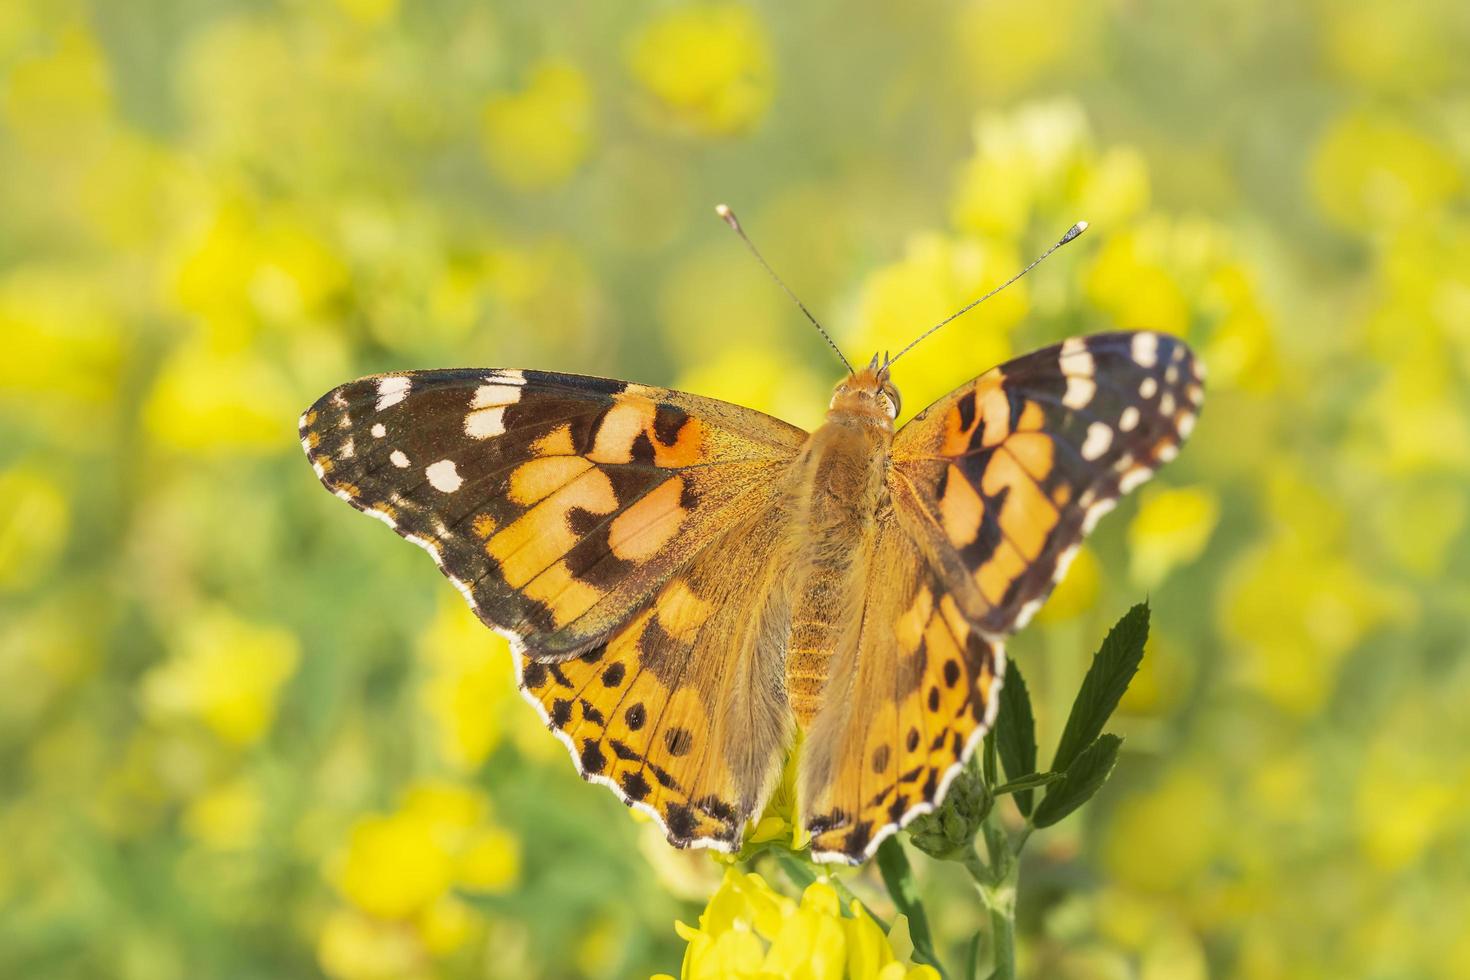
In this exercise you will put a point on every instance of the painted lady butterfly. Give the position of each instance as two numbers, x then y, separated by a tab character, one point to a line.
685	581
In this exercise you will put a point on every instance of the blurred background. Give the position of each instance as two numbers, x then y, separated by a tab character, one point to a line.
246	733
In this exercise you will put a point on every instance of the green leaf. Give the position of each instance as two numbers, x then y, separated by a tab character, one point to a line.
1083	778
898	878
1112	668
1026	783
1015	733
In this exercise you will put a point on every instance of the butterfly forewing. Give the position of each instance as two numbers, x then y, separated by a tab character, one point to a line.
557	504
1000	480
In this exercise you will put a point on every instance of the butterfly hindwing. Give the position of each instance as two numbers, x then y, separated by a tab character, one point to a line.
681	712
913	696
557	504
1000	480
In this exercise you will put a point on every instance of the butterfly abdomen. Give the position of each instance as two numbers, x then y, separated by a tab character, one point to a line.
838	490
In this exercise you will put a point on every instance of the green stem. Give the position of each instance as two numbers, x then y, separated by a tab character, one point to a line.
898	878
996	881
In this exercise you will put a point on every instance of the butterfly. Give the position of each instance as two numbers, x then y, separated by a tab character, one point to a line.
685	582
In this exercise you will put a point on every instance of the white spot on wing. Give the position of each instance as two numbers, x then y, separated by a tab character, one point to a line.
398	459
1099	438
485	423
489	396
1079	391
379	430
1146	348
443	476
348	449
1128	419
1186	424
1166	403
392	390
1147	388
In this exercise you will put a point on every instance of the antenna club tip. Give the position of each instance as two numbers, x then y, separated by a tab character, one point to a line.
727	216
1073	232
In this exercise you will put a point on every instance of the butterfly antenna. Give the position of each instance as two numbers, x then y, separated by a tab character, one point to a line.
1072	233
728	216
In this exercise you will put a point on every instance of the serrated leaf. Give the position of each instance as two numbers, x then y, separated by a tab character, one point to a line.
1015	733
1027	783
1107	678
1083	778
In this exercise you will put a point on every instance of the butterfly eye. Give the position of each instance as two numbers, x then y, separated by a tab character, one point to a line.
891	401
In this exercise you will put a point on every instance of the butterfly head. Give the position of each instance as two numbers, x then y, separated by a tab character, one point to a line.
868	393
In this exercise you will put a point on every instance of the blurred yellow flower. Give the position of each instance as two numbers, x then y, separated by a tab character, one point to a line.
1008	45
225	672
1294	605
490	861
396	865
46	96
1372	170
1171	529
227	817
34	521
370	12
470	687
353	946
750	930
1077	592
64	350
1149	847
707	67
1130	279
937	275
221	400
537	137
1024	162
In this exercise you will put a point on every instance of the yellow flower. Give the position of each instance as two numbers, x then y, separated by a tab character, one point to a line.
936	276
1171	529
370	12
780	820
1077	592
1147	846
227	817
1023	161
470	688
396	865
221	399
748	930
45	97
539	136
1372	170
707	67
225	672
34	519
353	946
1010	45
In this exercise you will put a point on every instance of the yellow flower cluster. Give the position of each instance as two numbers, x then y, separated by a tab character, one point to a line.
752	932
400	871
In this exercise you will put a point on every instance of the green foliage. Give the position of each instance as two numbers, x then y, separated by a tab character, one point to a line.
1015	733
1083	778
1112	668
